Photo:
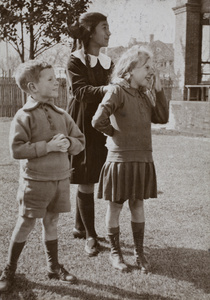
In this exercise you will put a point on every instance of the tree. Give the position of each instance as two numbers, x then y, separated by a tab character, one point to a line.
8	65
37	25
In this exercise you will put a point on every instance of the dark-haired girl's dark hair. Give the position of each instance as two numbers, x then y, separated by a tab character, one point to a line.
82	28
81	31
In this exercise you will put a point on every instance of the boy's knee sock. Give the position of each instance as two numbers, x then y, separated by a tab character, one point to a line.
51	251
86	207
78	220
15	250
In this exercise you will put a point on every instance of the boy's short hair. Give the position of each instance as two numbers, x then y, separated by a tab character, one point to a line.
29	71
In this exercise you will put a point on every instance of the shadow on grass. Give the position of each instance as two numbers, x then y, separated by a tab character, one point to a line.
180	263
23	289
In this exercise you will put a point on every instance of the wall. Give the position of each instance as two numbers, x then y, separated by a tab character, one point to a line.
190	116
205	6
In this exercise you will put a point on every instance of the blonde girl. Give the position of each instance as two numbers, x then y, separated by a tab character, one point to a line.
125	116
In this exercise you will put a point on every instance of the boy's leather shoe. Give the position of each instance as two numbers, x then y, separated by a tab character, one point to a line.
92	246
79	234
62	274
6	279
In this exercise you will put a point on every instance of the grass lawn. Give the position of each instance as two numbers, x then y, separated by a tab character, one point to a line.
177	236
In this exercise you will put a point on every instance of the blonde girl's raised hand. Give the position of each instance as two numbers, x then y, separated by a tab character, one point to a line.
156	82
154	86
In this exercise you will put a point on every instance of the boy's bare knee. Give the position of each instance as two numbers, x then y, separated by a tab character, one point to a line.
50	219
49	224
25	222
23	227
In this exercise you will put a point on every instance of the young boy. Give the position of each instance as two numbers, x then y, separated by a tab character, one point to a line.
41	136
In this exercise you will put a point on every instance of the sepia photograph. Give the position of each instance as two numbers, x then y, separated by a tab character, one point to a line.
105	149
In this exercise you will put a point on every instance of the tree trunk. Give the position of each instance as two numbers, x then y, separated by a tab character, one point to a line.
22	54
31	30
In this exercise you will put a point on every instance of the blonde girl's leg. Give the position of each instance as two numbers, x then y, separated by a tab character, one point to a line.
113	231
138	226
113	214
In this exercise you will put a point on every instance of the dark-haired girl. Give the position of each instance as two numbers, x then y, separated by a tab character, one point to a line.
88	76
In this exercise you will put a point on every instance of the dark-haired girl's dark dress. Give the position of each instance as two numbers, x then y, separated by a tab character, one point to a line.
87	88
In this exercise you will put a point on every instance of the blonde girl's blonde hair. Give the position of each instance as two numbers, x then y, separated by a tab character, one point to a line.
29	71
129	60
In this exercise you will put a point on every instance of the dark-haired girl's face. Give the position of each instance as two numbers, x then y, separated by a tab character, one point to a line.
100	37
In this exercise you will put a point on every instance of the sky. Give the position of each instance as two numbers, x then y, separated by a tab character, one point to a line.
138	19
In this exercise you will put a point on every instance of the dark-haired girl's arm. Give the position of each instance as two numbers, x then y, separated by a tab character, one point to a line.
82	90
101	120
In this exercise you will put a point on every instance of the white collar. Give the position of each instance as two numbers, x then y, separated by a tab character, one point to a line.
104	60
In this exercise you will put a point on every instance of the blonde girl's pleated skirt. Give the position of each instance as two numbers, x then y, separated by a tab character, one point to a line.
120	181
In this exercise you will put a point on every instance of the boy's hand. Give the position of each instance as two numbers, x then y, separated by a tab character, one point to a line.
59	143
64	144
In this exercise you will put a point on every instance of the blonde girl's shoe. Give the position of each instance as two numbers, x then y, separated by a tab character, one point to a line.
138	237
117	262
142	262
116	257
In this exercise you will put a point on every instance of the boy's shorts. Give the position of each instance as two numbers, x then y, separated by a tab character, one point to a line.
35	198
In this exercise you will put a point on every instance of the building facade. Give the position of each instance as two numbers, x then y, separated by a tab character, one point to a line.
191	47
